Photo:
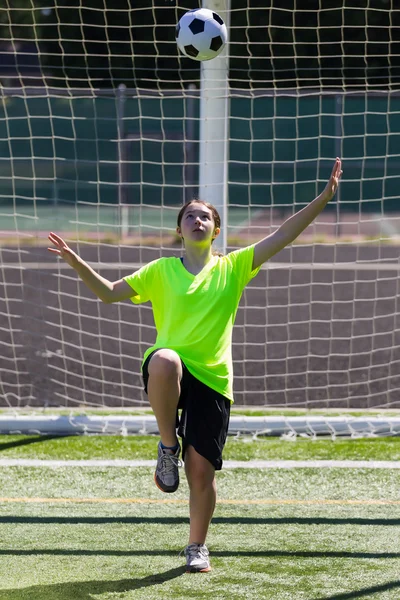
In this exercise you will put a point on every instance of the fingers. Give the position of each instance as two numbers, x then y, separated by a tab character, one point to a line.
56	239
337	168
60	245
58	242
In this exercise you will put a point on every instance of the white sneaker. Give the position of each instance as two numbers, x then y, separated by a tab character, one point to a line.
166	476
197	558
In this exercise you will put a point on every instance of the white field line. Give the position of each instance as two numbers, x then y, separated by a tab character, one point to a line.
228	464
345	266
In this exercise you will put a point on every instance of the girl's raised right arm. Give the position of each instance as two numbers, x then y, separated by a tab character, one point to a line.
107	291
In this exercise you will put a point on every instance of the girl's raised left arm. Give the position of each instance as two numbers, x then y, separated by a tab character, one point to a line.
292	227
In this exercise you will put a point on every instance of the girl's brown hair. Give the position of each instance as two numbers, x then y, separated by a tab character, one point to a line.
211	207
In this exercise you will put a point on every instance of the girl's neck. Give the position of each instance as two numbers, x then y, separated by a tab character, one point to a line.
196	260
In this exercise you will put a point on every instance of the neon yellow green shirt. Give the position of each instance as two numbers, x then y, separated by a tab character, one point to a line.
194	314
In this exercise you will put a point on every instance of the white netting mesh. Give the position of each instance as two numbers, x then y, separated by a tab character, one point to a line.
99	141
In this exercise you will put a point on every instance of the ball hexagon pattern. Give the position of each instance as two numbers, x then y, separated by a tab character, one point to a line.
201	34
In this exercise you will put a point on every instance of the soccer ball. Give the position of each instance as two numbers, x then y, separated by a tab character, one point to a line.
201	34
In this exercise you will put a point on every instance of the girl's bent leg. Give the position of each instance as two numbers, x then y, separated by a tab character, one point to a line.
163	389
200	474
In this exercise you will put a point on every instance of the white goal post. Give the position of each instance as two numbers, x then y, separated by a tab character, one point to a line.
105	130
214	127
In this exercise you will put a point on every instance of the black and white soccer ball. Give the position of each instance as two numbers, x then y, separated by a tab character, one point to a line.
201	34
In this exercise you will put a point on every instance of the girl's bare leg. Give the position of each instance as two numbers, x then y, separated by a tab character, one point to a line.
203	493
163	389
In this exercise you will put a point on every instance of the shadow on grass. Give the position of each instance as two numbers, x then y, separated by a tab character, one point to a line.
218	553
375	589
184	520
29	440
86	590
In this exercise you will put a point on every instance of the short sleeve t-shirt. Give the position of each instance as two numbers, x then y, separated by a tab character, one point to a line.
194	314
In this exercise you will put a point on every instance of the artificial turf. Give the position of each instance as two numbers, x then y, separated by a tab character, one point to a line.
315	534
241	448
106	533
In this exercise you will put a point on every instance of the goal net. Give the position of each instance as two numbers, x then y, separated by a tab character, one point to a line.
100	124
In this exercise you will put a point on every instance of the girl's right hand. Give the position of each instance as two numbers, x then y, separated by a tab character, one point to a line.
63	250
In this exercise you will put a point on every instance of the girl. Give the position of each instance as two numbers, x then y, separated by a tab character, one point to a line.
194	301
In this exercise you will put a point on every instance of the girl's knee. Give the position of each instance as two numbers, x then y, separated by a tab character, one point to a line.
199	482
165	363
200	472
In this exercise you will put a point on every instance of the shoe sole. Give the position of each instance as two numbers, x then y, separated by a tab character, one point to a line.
170	491
206	570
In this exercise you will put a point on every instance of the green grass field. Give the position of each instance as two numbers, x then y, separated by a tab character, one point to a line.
107	533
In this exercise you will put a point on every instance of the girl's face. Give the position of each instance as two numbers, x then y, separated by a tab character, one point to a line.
197	225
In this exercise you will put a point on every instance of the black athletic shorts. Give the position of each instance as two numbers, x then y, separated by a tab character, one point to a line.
204	420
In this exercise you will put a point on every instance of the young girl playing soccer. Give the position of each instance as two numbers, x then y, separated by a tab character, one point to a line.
194	301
